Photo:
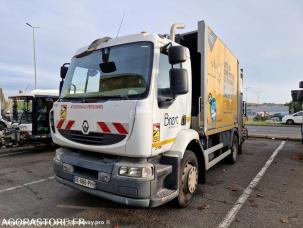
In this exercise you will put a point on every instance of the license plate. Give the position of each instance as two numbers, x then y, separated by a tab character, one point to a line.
84	182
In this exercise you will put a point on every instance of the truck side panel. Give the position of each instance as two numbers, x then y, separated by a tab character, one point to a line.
220	73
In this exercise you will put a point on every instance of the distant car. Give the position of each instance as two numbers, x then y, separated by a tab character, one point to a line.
296	118
277	117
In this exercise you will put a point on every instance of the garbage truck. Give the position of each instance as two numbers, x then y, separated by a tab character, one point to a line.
141	118
29	115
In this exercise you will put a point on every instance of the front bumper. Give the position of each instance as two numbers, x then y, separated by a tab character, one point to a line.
125	190
106	195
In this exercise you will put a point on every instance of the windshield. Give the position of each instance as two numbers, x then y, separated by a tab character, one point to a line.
22	108
118	71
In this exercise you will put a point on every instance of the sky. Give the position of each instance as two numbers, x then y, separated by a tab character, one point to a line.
266	36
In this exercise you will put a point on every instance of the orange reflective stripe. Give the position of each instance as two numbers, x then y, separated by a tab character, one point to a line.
161	143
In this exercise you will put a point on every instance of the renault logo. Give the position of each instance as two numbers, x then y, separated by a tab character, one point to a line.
85	127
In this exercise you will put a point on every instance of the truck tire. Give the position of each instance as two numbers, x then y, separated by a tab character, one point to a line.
290	122
232	158
189	175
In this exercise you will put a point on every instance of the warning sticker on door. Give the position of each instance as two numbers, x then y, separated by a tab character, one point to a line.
63	111
156	132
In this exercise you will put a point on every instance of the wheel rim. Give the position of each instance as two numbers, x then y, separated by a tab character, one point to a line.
192	178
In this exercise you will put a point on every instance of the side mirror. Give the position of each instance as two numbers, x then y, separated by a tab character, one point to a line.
63	70
108	67
178	81
60	86
176	54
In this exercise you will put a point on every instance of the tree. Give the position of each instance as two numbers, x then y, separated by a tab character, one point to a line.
294	107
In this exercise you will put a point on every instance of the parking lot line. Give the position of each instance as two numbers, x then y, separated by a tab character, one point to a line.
10	154
27	184
242	199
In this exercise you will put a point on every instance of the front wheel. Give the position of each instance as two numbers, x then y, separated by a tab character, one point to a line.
290	122
188	182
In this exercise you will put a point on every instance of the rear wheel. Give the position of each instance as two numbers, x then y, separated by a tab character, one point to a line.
290	122
232	158
188	182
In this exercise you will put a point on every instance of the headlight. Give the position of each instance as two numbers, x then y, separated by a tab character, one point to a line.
139	172
58	155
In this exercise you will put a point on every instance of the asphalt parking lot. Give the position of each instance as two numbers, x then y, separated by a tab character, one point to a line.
278	132
28	190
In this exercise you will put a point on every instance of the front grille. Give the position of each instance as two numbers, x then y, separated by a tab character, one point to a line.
93	138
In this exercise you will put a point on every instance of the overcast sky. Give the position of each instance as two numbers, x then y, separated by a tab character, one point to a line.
266	36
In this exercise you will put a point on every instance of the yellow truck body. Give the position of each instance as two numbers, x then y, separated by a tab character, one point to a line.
222	84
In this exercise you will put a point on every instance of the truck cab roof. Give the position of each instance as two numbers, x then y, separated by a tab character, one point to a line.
108	42
37	93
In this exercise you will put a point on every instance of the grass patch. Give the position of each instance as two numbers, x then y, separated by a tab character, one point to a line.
264	123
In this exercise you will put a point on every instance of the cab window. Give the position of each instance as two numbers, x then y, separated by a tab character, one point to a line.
164	90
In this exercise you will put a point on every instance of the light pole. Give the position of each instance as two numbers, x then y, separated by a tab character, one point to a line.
34	47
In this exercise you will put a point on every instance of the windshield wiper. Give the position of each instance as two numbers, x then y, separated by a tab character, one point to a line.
94	98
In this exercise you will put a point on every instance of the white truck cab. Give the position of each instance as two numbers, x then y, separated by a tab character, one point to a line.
131	118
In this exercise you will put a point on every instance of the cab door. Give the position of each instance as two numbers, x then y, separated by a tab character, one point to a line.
42	107
171	113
